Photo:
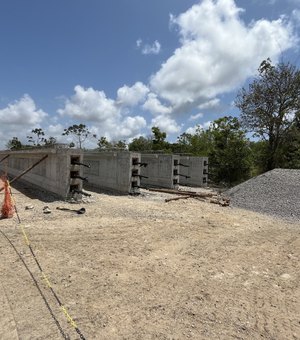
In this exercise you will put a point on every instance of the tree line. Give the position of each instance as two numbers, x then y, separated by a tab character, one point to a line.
269	113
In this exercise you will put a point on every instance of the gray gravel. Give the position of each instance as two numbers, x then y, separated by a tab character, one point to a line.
275	193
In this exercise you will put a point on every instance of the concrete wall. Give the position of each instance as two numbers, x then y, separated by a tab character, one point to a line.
195	169
162	170
53	174
113	171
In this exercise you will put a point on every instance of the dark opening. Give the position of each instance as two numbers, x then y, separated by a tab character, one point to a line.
134	184
134	172
175	162
74	187
205	163
175	172
204	179
135	161
75	159
175	181
204	171
74	174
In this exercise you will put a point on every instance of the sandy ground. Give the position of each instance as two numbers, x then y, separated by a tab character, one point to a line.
139	268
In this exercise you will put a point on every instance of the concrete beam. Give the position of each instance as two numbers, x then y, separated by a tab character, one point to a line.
162	170
117	171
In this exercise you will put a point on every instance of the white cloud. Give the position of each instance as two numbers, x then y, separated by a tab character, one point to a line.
193	129
22	112
166	124
104	113
90	105
19	118
210	105
131	96
153	105
147	48
131	126
218	52
197	116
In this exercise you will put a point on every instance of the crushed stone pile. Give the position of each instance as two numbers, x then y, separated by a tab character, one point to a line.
275	193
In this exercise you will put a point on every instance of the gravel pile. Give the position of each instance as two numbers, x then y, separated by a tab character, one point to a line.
275	193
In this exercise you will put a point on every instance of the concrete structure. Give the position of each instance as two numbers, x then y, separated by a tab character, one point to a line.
194	171
117	171
162	170
59	173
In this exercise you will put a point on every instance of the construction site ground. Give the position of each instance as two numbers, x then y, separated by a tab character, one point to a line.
136	267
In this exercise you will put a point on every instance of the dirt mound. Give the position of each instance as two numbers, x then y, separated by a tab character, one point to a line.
275	193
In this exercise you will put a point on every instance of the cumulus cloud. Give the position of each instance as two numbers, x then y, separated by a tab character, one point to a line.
147	48
22	112
19	118
166	124
131	96
197	116
105	114
154	105
218	52
89	105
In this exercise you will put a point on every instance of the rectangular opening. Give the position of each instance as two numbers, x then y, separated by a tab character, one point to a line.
135	161
175	162
175	181
134	184
134	172
75	159
175	172
74	187
204	180
74	174
205	163
204	171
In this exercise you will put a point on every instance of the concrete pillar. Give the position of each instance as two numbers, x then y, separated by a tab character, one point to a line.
113	171
162	170
195	169
55	174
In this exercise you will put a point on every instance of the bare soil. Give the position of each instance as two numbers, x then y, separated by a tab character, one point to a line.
139	268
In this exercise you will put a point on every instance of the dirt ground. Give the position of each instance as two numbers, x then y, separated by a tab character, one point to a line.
140	268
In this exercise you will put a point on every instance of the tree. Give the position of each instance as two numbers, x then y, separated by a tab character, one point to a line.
80	133
120	145
14	144
50	141
269	105
37	139
104	144
197	144
141	144
229	152
158	140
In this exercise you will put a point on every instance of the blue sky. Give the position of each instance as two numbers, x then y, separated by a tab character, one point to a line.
123	66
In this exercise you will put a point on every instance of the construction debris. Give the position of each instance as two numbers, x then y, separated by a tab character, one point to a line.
210	197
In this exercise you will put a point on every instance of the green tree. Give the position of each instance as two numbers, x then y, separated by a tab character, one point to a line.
159	142
104	144
50	141
141	144
269	105
120	145
229	152
14	144
289	156
79	132
197	144
37	138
